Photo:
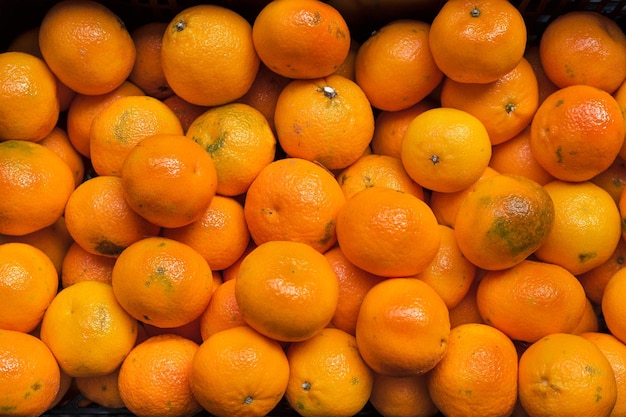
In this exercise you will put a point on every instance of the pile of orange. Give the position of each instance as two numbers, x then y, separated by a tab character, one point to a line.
228	214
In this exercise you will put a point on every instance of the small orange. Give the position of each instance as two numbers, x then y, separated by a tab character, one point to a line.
377	171
347	67
466	311
327	120
395	67
478	374
36	184
402	396
620	97
612	305
207	55
117	128
87	329
587	226
100	220
221	235
477	41
184	110
354	283
239	372
445	149
577	132
222	312
388	232
613	179
301	39
80	265
566	375
102	390
154	378
29	108
28	283
502	220
86	45
544	84
541	298
594	280
294	199
403	327
240	142
286	290
574	40
621	206
589	322
30	375
162	282
505	106
327	376
169	180
59	142
232	271
450	274
147	73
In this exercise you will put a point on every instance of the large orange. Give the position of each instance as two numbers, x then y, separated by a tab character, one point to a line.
502	220
286	290
328	120
147	73
162	282
478	374
29	108
402	396
36	184
207	55
477	41
577	132
403	327
86	45
395	67
612	305
301	38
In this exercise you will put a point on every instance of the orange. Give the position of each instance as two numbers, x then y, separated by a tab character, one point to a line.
30	375
612	305
390	127
232	271
147	73
207	55
240	142
620	96
505	106
294	199
87	330
402	396
354	283
36	184
154	379
388	232
101	221
301	39
84	108
169	180
403	327
86	46
377	171
450	274
589	322
544	84
29	108
162	282
122	124
587	226
502	220
621	206
327	376
478	374
566	375
328	120
80	265
584	47
445	149
101	390
515	157
239	372
395	66
189	331
28	283
613	179
59	142
222	312
594	280
466	311
531	300
221	235
286	290
347	67
577	132
477	41
615	352
184	110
